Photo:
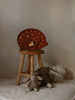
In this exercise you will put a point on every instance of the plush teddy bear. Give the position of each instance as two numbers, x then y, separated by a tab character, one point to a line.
50	75
33	82
47	78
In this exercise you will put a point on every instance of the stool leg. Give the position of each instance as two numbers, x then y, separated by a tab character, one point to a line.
28	65
31	64
20	69
40	61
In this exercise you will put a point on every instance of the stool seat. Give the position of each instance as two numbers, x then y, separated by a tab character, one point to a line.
30	63
32	52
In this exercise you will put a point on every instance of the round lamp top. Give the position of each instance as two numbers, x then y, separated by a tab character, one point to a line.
31	39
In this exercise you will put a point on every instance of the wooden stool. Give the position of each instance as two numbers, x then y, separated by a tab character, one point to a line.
30	64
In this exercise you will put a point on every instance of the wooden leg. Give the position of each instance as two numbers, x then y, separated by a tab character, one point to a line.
31	64
40	61
20	69
28	65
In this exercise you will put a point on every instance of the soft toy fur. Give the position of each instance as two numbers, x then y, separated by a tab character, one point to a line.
33	82
44	73
50	75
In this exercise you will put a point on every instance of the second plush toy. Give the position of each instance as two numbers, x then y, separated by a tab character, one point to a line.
33	83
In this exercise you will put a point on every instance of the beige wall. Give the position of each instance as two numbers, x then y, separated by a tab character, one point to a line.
56	18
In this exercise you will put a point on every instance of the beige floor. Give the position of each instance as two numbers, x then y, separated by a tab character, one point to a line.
62	91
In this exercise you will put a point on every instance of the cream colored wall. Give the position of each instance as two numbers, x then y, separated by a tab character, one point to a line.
56	18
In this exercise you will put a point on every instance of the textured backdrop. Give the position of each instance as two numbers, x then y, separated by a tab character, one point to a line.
56	18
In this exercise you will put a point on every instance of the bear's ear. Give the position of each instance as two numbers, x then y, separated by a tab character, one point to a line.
39	78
